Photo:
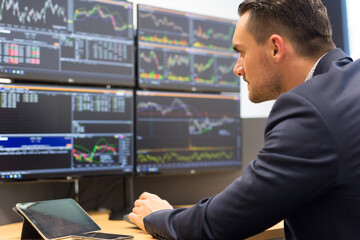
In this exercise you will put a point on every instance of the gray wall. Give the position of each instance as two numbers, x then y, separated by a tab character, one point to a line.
107	192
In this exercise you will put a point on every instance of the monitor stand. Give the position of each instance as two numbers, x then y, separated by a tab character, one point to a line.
118	213
28	231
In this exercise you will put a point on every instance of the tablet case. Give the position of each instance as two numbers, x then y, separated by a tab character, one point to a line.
28	231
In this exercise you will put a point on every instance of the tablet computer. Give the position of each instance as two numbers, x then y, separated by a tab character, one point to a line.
63	218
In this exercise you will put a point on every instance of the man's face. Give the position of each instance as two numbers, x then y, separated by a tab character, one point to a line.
255	64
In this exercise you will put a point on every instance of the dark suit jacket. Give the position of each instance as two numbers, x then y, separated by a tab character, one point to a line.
308	171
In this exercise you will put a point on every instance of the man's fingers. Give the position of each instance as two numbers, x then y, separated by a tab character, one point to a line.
137	220
146	195
137	203
135	210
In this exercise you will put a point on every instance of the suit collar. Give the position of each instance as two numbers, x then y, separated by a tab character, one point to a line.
334	55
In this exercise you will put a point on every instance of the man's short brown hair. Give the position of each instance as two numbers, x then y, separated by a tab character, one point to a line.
304	22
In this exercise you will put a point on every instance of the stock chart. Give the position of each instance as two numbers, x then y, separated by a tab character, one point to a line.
178	130
191	49
177	67
103	19
213	35
84	41
37	14
64	131
152	64
204	69
163	27
97	151
224	72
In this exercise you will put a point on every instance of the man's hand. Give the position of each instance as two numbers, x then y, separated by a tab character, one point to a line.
146	204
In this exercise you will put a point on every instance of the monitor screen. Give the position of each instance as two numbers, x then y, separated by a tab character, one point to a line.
187	132
184	51
48	131
76	41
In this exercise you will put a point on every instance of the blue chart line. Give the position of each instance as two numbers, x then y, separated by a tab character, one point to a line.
198	124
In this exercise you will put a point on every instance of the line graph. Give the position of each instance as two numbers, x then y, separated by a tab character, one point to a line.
151	64
172	156
177	60
204	68
164	28
35	13
226	69
225	75
186	129
197	122
101	19
151	58
178	67
213	35
102	151
162	22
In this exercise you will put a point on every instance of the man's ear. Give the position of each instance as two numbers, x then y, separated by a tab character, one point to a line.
277	48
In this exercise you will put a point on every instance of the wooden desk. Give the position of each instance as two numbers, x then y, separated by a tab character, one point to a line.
13	231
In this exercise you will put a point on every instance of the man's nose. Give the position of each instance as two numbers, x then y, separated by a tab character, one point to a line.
239	68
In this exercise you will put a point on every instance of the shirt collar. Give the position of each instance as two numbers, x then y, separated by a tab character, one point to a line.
311	73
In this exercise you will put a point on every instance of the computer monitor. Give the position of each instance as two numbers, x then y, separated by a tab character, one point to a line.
185	51
55	132
187	132
75	41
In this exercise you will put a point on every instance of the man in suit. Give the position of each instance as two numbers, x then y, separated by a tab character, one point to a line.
308	172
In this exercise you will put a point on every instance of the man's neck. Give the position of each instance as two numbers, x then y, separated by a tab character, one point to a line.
295	71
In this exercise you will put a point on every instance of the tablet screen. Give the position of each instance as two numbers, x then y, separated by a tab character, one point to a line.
58	218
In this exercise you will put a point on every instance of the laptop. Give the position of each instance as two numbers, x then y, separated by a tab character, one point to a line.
62	218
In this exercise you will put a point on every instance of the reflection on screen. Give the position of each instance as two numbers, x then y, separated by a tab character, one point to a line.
58	218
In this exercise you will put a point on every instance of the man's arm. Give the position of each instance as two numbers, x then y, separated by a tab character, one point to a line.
297	165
